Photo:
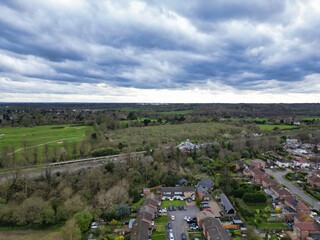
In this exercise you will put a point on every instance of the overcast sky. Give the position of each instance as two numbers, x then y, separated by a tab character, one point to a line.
160	51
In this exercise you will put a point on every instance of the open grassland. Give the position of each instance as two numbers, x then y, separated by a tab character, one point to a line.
311	118
157	135
177	112
40	135
141	120
52	233
271	127
247	119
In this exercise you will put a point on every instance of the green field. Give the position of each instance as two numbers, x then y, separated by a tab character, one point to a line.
271	127
247	119
41	134
177	112
38	136
311	118
141	120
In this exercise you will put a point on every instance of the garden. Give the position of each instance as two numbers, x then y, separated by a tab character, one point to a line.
160	232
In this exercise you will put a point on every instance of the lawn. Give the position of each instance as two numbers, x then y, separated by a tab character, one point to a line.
160	226
158	237
193	234
176	203
271	127
273	225
139	203
258	207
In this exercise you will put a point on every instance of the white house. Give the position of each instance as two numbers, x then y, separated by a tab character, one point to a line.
302	163
283	163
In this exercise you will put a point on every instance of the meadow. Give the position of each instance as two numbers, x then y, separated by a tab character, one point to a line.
40	135
271	127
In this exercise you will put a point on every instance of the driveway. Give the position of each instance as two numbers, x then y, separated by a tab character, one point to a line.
295	190
215	208
179	225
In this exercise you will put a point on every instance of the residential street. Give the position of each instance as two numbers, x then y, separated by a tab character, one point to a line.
295	190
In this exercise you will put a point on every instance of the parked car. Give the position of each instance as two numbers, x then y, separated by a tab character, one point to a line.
204	202
170	208
180	208
174	208
173	218
163	210
193	226
183	236
184	208
189	200
187	218
206	206
171	236
169	226
207	209
221	213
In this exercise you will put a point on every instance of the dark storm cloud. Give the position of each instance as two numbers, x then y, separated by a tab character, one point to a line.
161	44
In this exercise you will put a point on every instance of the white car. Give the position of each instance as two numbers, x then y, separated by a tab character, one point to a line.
173	218
164	210
187	218
171	236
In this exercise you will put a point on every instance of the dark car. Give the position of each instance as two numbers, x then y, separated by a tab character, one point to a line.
183	236
189	200
169	226
174	208
170	208
221	213
184	208
180	208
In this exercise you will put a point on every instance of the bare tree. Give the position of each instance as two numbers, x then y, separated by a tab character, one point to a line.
63	154
25	150
35	154
46	151
74	149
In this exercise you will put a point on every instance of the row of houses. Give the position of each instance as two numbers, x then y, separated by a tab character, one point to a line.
142	227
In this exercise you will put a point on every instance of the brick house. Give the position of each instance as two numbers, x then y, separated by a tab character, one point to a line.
268	182
304	229
280	192
258	163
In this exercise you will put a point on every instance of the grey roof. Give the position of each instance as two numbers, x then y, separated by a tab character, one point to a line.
140	230
205	183
226	203
183	181
214	229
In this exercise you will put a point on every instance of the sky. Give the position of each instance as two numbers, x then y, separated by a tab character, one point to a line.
222	51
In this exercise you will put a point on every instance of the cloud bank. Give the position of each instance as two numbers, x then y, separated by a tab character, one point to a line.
160	51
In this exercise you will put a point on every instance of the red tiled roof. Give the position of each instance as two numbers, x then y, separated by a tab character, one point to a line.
306	226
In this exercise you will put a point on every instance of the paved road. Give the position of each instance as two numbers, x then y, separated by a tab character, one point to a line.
295	190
